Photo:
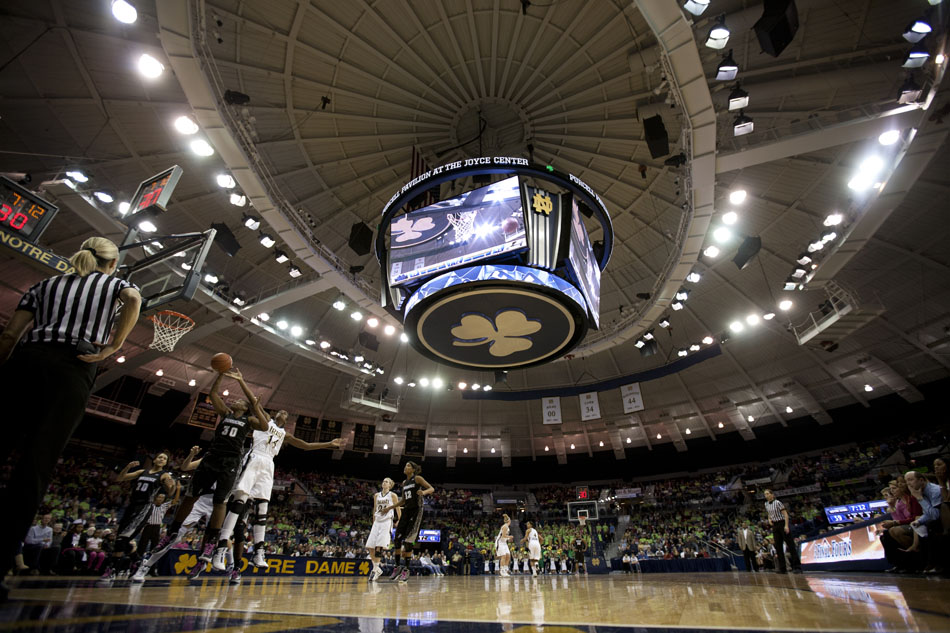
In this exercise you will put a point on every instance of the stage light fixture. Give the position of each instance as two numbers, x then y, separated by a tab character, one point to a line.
682	352
910	92
211	278
294	272
719	34
103	196
462	385
629	440
648	335
161	372
149	67
185	125
385	447
439	450
694	347
251	222
487	388
237	199
721	425
696	7
235	98
547	448
326	345
124	12
310	342
736	326
751	418
738	98
722	235
785	305
693	277
917	57
296	330
239	300
493	450
871	166
201	147
404	338
372	322
708	340
688	431
389	330
423	382
833	219
476	386
120	359
768	316
658	436
816	246
788	410
398	380
868	388
192	382
742	125
752	319
572	447
730	217
78	176
727	69
339	304
940	58
803	259
828	236
798	273
682	294
263	316
280	256
356	315
889	137
225	181
917	30
267	241
640	343
146	226
281	325
711	251
664	322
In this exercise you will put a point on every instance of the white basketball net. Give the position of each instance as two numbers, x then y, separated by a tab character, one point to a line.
463	223
169	328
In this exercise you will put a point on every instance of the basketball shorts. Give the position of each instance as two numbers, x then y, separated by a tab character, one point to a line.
217	473
257	480
133	520
501	549
203	508
534	550
380	535
407	530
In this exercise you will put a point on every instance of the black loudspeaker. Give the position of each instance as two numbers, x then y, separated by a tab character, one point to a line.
747	250
225	239
361	238
657	139
777	27
368	340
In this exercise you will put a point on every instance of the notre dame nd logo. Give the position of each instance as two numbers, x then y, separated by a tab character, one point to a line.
595	562
542	203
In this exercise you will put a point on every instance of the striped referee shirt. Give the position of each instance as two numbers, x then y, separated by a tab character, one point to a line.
158	513
69	308
774	508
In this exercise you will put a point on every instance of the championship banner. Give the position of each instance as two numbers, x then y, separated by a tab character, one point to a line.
330	430
551	410
545	226
306	428
203	414
415	442
180	561
632	399
363	437
590	406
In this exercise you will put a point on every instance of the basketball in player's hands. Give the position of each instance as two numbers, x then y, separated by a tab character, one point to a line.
221	362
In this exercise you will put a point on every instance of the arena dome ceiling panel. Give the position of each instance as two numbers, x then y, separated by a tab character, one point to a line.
574	81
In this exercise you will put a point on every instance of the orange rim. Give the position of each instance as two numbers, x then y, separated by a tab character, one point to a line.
172	313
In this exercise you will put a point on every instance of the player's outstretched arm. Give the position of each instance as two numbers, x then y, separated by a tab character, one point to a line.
190	462
216	401
334	444
259	417
125	475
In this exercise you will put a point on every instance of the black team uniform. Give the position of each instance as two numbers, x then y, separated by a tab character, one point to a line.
580	548
407	530
135	517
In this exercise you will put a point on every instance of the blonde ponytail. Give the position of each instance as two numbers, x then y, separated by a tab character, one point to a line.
94	252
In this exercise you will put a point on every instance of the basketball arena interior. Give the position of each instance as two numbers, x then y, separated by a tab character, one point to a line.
639	308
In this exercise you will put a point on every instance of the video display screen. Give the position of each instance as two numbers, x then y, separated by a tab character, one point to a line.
484	222
583	265
430	536
861	543
855	511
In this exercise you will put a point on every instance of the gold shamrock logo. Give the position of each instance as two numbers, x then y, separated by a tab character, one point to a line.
509	333
185	563
405	229
364	568
542	203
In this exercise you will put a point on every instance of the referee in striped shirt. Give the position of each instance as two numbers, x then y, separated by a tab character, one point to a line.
781	533
64	323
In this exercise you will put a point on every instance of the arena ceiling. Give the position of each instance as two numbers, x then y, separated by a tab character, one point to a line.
341	93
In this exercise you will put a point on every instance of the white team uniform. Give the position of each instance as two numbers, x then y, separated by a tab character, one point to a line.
257	480
501	543
534	545
381	533
203	508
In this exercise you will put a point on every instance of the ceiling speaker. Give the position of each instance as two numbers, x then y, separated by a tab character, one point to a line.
361	238
777	27
747	250
657	139
225	239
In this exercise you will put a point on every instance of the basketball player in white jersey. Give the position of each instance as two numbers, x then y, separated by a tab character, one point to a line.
380	536
501	546
256	483
534	546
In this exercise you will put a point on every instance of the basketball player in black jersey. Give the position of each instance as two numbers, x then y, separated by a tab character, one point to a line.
220	465
146	483
407	530
580	549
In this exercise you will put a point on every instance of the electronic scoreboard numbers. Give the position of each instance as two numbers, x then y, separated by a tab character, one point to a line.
23	213
153	194
583	494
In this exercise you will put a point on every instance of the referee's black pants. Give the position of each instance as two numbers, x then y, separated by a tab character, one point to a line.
784	540
47	389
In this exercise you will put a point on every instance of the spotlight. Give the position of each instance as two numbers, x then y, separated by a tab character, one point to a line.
722	234
788	410
721	425
239	300
688	431
78	176
124	12
326	344
439	449
476	386
832	220
751	418
389	330
310	342
263	316
359	358
828	236
487	388
803	259
546	449
629	440
696	7
211	278
798	273
149	67
711	251
294	272
372	322
816	246
649	349
146	226
572	447
385	447
404	338
682	294
102	196
693	277
437	383
752	319
237	199
738	98
465	450
280	256
730	217
871	166
727	69
185	125
736	326
225	181
356	315
785	305
267	241
648	336
694	347
910	92
640	343
718	34
738	196
682	352
339	304
917	30
708	340
917	57
868	388
742	125
889	138
493	450
423	382
192	382
251	222
658	436
120	359
768	316
462	385
281	325
201	147
296	330
161	372
664	322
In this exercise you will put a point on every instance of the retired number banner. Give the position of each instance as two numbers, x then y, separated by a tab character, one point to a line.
551	410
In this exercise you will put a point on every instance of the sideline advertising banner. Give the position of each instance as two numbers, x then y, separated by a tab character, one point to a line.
855	548
180	561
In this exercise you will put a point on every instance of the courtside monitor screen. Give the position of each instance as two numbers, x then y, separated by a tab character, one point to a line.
582	264
430	536
484	222
855	511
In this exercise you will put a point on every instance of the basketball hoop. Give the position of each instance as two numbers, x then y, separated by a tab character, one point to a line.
169	328
463	223
582	519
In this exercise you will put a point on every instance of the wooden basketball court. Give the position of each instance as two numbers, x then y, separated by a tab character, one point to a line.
487	604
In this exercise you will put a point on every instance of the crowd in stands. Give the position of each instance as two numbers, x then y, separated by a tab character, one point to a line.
315	514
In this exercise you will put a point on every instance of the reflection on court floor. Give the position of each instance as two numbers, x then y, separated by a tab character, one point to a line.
485	604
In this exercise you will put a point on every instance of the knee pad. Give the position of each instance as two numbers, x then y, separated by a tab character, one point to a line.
237	506
260	512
